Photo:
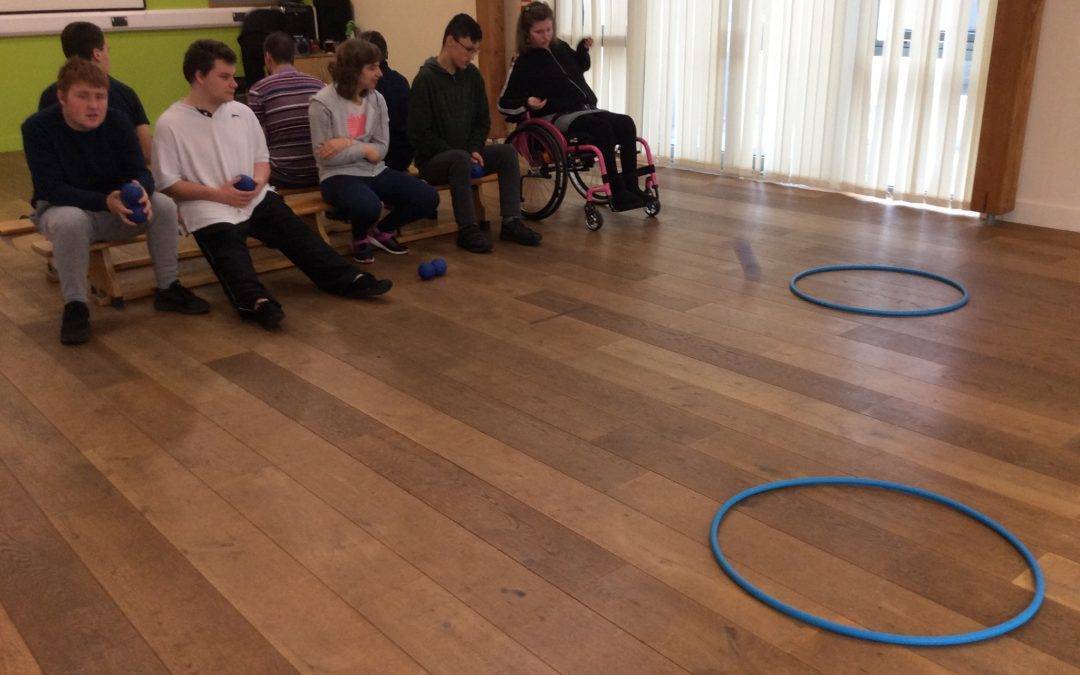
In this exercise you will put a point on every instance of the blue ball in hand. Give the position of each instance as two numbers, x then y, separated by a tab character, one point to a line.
244	183
439	266
476	171
131	194
426	271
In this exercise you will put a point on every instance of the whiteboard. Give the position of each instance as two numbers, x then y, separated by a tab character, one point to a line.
24	6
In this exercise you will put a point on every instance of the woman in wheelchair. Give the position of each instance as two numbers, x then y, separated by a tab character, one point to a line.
547	81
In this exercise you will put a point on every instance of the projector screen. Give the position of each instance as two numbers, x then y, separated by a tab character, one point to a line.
28	6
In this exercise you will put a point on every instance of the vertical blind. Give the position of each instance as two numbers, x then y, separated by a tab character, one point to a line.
878	97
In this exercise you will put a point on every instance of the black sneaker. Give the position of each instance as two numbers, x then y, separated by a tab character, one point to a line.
367	286
176	298
267	314
515	230
363	253
473	239
75	324
386	241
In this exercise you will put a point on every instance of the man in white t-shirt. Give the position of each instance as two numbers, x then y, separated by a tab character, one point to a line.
204	145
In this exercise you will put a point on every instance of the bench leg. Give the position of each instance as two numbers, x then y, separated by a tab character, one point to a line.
478	204
321	226
104	284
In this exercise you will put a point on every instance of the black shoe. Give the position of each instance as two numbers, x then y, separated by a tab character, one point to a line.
367	286
624	200
473	239
75	325
176	298
267	314
363	253
515	230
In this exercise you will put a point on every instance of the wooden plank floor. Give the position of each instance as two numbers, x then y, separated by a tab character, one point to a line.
513	468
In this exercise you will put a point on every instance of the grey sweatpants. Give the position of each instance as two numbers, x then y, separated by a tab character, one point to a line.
72	230
452	168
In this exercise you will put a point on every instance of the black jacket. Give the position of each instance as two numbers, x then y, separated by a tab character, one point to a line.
556	75
447	111
81	168
395	89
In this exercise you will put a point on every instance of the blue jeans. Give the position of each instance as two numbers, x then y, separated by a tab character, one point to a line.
361	199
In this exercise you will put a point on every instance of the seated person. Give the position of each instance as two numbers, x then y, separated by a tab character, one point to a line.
203	145
547	79
448	125
395	89
80	153
86	41
280	101
350	133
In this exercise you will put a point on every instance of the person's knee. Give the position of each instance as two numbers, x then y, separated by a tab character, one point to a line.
366	209
164	210
503	154
428	200
459	161
67	223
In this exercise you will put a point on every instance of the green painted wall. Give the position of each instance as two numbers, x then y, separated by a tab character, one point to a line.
147	61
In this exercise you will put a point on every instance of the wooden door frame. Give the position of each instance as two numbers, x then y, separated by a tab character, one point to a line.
1010	75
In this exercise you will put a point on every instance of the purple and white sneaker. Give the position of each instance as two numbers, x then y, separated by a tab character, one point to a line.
362	251
386	241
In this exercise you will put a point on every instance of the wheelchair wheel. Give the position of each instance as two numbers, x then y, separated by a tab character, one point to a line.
652	204
543	170
584	170
594	220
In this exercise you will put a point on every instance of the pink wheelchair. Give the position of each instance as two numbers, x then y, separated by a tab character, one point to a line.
549	160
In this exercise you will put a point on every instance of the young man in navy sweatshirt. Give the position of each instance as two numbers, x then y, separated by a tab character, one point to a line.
81	153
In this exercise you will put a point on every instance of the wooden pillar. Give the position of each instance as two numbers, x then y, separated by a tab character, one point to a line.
1008	95
490	14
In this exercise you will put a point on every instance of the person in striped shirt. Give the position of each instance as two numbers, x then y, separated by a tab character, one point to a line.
280	101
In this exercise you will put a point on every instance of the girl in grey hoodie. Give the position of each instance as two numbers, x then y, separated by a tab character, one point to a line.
350	134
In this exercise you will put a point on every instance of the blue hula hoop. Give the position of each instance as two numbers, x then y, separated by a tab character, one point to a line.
877	636
870	310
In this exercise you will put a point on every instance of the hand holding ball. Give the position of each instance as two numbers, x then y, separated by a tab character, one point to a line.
244	183
131	194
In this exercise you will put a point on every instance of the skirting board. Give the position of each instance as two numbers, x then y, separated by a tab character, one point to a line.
152	19
1057	216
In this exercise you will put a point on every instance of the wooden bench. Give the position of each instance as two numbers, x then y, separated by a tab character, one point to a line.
13	228
106	288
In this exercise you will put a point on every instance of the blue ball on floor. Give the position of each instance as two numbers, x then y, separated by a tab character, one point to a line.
476	171
426	270
439	265
244	183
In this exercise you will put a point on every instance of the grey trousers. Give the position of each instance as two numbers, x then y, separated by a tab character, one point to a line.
72	230
452	168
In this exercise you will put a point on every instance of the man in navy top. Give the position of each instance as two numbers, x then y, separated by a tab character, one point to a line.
86	41
81	155
395	89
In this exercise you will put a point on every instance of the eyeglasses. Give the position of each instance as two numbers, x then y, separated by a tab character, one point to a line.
471	51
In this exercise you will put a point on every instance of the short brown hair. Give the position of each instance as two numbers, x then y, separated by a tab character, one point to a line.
280	47
200	57
80	71
350	57
532	13
376	38
81	38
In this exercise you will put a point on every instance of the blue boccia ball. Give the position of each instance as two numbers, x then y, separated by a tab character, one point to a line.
138	216
439	266
426	271
131	194
476	171
244	183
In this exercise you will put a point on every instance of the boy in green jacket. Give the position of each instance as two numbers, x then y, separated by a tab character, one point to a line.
448	126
